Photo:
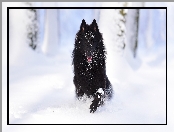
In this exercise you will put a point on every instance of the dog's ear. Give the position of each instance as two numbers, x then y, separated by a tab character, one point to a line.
94	25
83	25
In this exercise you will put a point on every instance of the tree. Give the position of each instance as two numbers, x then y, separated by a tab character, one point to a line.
132	30
32	26
50	45
113	21
132	26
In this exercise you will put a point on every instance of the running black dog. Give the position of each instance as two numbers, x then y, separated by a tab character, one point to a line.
89	65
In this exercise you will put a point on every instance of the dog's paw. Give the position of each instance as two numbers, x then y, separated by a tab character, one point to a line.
96	103
93	106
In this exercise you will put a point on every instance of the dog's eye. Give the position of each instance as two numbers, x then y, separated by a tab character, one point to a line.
83	28
94	28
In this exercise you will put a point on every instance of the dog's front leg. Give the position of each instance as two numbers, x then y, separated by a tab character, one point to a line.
98	100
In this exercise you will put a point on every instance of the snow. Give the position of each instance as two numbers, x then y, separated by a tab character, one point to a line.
100	90
41	89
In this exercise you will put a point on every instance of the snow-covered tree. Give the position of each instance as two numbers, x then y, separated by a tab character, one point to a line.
132	23
122	25
132	26
97	11
50	44
112	21
32	26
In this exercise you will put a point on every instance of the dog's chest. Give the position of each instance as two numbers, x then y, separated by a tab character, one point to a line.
90	74
88	71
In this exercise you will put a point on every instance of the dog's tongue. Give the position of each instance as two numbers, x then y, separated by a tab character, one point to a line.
89	59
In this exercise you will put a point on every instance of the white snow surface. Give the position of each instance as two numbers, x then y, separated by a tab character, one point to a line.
41	89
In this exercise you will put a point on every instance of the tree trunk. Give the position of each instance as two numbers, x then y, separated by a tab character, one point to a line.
50	44
32	27
132	23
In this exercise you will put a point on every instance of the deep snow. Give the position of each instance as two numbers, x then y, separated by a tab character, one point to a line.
42	90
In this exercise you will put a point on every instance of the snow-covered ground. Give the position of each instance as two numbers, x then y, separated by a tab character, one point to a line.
41	89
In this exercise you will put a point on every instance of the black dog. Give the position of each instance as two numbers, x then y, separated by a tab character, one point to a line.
89	65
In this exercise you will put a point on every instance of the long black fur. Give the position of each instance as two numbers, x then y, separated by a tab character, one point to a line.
89	57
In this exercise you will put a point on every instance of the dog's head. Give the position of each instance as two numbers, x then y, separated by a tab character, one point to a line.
89	39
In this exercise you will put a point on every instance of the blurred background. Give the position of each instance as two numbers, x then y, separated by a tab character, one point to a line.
51	32
41	42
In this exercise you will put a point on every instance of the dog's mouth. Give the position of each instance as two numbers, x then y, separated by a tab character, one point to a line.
89	59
